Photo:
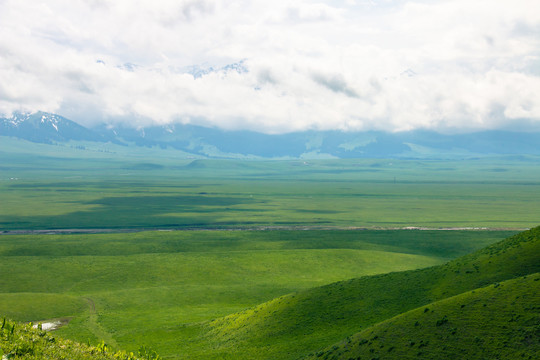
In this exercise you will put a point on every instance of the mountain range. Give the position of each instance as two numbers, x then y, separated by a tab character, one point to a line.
41	127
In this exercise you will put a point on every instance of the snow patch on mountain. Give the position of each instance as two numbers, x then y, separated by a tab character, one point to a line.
198	71
17	118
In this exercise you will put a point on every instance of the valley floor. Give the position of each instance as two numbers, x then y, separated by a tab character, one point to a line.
158	288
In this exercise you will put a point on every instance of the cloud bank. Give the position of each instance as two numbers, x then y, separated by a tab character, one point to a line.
280	66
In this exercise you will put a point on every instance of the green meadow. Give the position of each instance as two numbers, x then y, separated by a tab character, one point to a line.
499	321
151	287
488	311
24	341
66	189
318	322
202	259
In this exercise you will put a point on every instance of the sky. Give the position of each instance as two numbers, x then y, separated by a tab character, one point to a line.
275	66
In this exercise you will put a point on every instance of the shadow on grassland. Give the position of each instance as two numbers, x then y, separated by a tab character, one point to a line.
135	212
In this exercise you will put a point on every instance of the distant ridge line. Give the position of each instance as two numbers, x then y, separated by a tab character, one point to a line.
194	141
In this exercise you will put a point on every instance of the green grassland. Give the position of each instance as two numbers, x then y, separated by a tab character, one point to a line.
26	342
159	288
295	325
237	289
499	321
58	187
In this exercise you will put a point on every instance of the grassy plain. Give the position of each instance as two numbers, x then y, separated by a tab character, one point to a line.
152	287
68	188
163	288
293	326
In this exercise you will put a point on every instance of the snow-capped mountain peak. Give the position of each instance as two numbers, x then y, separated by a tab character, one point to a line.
45	127
51	119
18	118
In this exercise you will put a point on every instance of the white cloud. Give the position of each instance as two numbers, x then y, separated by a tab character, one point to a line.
451	65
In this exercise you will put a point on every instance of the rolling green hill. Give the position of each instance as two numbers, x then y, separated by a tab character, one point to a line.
147	288
500	321
295	325
167	306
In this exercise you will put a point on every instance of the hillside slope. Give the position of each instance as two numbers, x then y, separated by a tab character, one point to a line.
22	341
500	321
295	325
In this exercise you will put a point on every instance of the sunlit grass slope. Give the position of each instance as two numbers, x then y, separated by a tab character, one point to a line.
22	341
149	288
500	321
295	325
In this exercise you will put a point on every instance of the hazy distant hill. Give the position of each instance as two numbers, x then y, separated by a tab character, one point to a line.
217	143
